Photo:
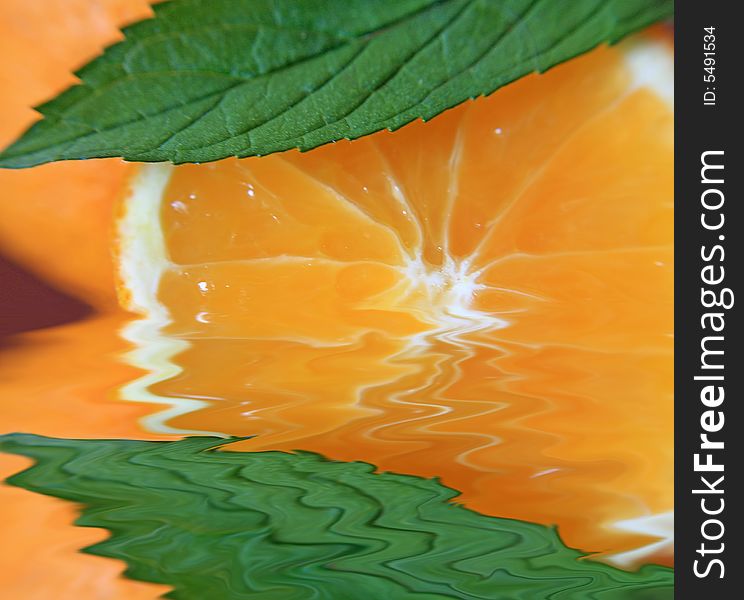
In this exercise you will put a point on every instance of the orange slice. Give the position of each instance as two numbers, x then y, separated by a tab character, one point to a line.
486	297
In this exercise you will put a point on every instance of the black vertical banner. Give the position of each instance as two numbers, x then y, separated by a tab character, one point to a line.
709	431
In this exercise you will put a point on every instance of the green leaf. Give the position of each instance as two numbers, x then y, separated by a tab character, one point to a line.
275	525
208	79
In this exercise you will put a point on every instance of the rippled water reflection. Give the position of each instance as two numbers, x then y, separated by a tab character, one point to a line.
278	525
554	429
411	416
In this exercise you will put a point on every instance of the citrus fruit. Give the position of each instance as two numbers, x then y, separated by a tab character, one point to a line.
56	220
486	297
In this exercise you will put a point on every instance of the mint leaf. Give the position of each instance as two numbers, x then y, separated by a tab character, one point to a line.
275	525
208	79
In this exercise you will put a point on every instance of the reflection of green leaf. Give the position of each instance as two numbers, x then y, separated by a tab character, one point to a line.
217	524
209	79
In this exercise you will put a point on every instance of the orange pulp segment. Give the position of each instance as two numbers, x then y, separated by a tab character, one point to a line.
486	297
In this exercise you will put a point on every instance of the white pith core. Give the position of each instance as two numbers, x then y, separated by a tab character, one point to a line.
143	260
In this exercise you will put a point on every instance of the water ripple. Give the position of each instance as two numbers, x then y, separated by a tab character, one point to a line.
277	525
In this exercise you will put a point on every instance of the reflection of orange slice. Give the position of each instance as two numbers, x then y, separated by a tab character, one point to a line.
61	382
56	219
485	297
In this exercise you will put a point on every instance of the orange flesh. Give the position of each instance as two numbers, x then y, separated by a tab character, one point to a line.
486	298
580	382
